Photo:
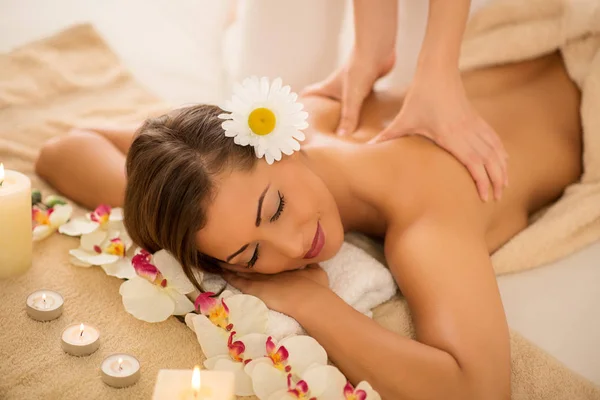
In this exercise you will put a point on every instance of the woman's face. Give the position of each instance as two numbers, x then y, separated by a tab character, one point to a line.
274	218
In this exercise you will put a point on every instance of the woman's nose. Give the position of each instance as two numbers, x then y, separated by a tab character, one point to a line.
291	245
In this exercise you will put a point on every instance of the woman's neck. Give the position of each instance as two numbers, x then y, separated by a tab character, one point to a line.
337	167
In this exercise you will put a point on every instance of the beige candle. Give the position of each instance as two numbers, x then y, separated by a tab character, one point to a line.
44	305
120	370
15	223
172	384
80	339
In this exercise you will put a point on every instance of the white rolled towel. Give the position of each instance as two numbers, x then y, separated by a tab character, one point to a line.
356	277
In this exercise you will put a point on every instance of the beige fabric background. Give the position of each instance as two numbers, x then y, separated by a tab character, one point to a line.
72	79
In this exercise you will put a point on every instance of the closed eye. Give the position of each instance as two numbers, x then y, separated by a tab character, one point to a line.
280	208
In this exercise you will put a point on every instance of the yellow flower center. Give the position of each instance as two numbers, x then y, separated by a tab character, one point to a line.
262	121
116	248
218	316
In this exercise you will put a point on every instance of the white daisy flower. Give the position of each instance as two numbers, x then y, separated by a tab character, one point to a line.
265	116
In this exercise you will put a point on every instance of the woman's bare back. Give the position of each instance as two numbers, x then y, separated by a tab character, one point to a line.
533	106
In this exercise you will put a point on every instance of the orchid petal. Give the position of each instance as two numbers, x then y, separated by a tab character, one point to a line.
210	363
61	215
170	268
205	302
304	351
78	227
255	346
90	240
144	269
183	305
249	368
116	214
41	232
93	258
282	394
248	314
267	380
366	387
121	269
213	340
146	301
77	262
326	382
243	383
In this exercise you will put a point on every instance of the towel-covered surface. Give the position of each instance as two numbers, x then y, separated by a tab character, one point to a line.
357	278
72	79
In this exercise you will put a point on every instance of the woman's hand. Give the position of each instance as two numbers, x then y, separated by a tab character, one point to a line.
437	108
281	292
350	85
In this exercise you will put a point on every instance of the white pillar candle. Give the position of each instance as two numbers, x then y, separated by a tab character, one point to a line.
44	305
80	339
15	223
174	384
120	370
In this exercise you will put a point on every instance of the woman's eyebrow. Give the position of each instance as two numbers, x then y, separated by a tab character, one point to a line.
260	203
258	220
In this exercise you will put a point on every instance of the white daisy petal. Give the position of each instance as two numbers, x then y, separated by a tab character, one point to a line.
264	87
269	158
224	116
78	227
146	301
298	135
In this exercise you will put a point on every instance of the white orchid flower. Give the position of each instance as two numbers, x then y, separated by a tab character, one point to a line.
47	221
230	330
284	362
106	249
158	289
318	382
103	217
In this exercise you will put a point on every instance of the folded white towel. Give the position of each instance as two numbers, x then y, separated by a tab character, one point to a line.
354	276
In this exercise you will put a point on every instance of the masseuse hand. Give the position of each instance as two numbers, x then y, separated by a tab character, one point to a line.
281	291
351	84
437	107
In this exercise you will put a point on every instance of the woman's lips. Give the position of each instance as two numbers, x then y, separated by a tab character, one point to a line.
317	243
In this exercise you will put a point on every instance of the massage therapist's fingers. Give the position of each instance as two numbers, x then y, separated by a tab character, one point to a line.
331	88
353	96
491	137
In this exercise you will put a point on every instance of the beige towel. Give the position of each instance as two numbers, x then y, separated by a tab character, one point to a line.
70	79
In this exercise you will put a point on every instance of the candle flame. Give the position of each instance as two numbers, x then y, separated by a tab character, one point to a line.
196	378
81	328
120	362
44	296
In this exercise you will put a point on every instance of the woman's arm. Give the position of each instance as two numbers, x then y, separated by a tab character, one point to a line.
442	265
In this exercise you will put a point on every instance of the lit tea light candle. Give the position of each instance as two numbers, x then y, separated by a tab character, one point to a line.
80	339
16	238
172	384
120	370
44	305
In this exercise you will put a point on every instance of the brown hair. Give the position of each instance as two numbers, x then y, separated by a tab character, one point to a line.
171	170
